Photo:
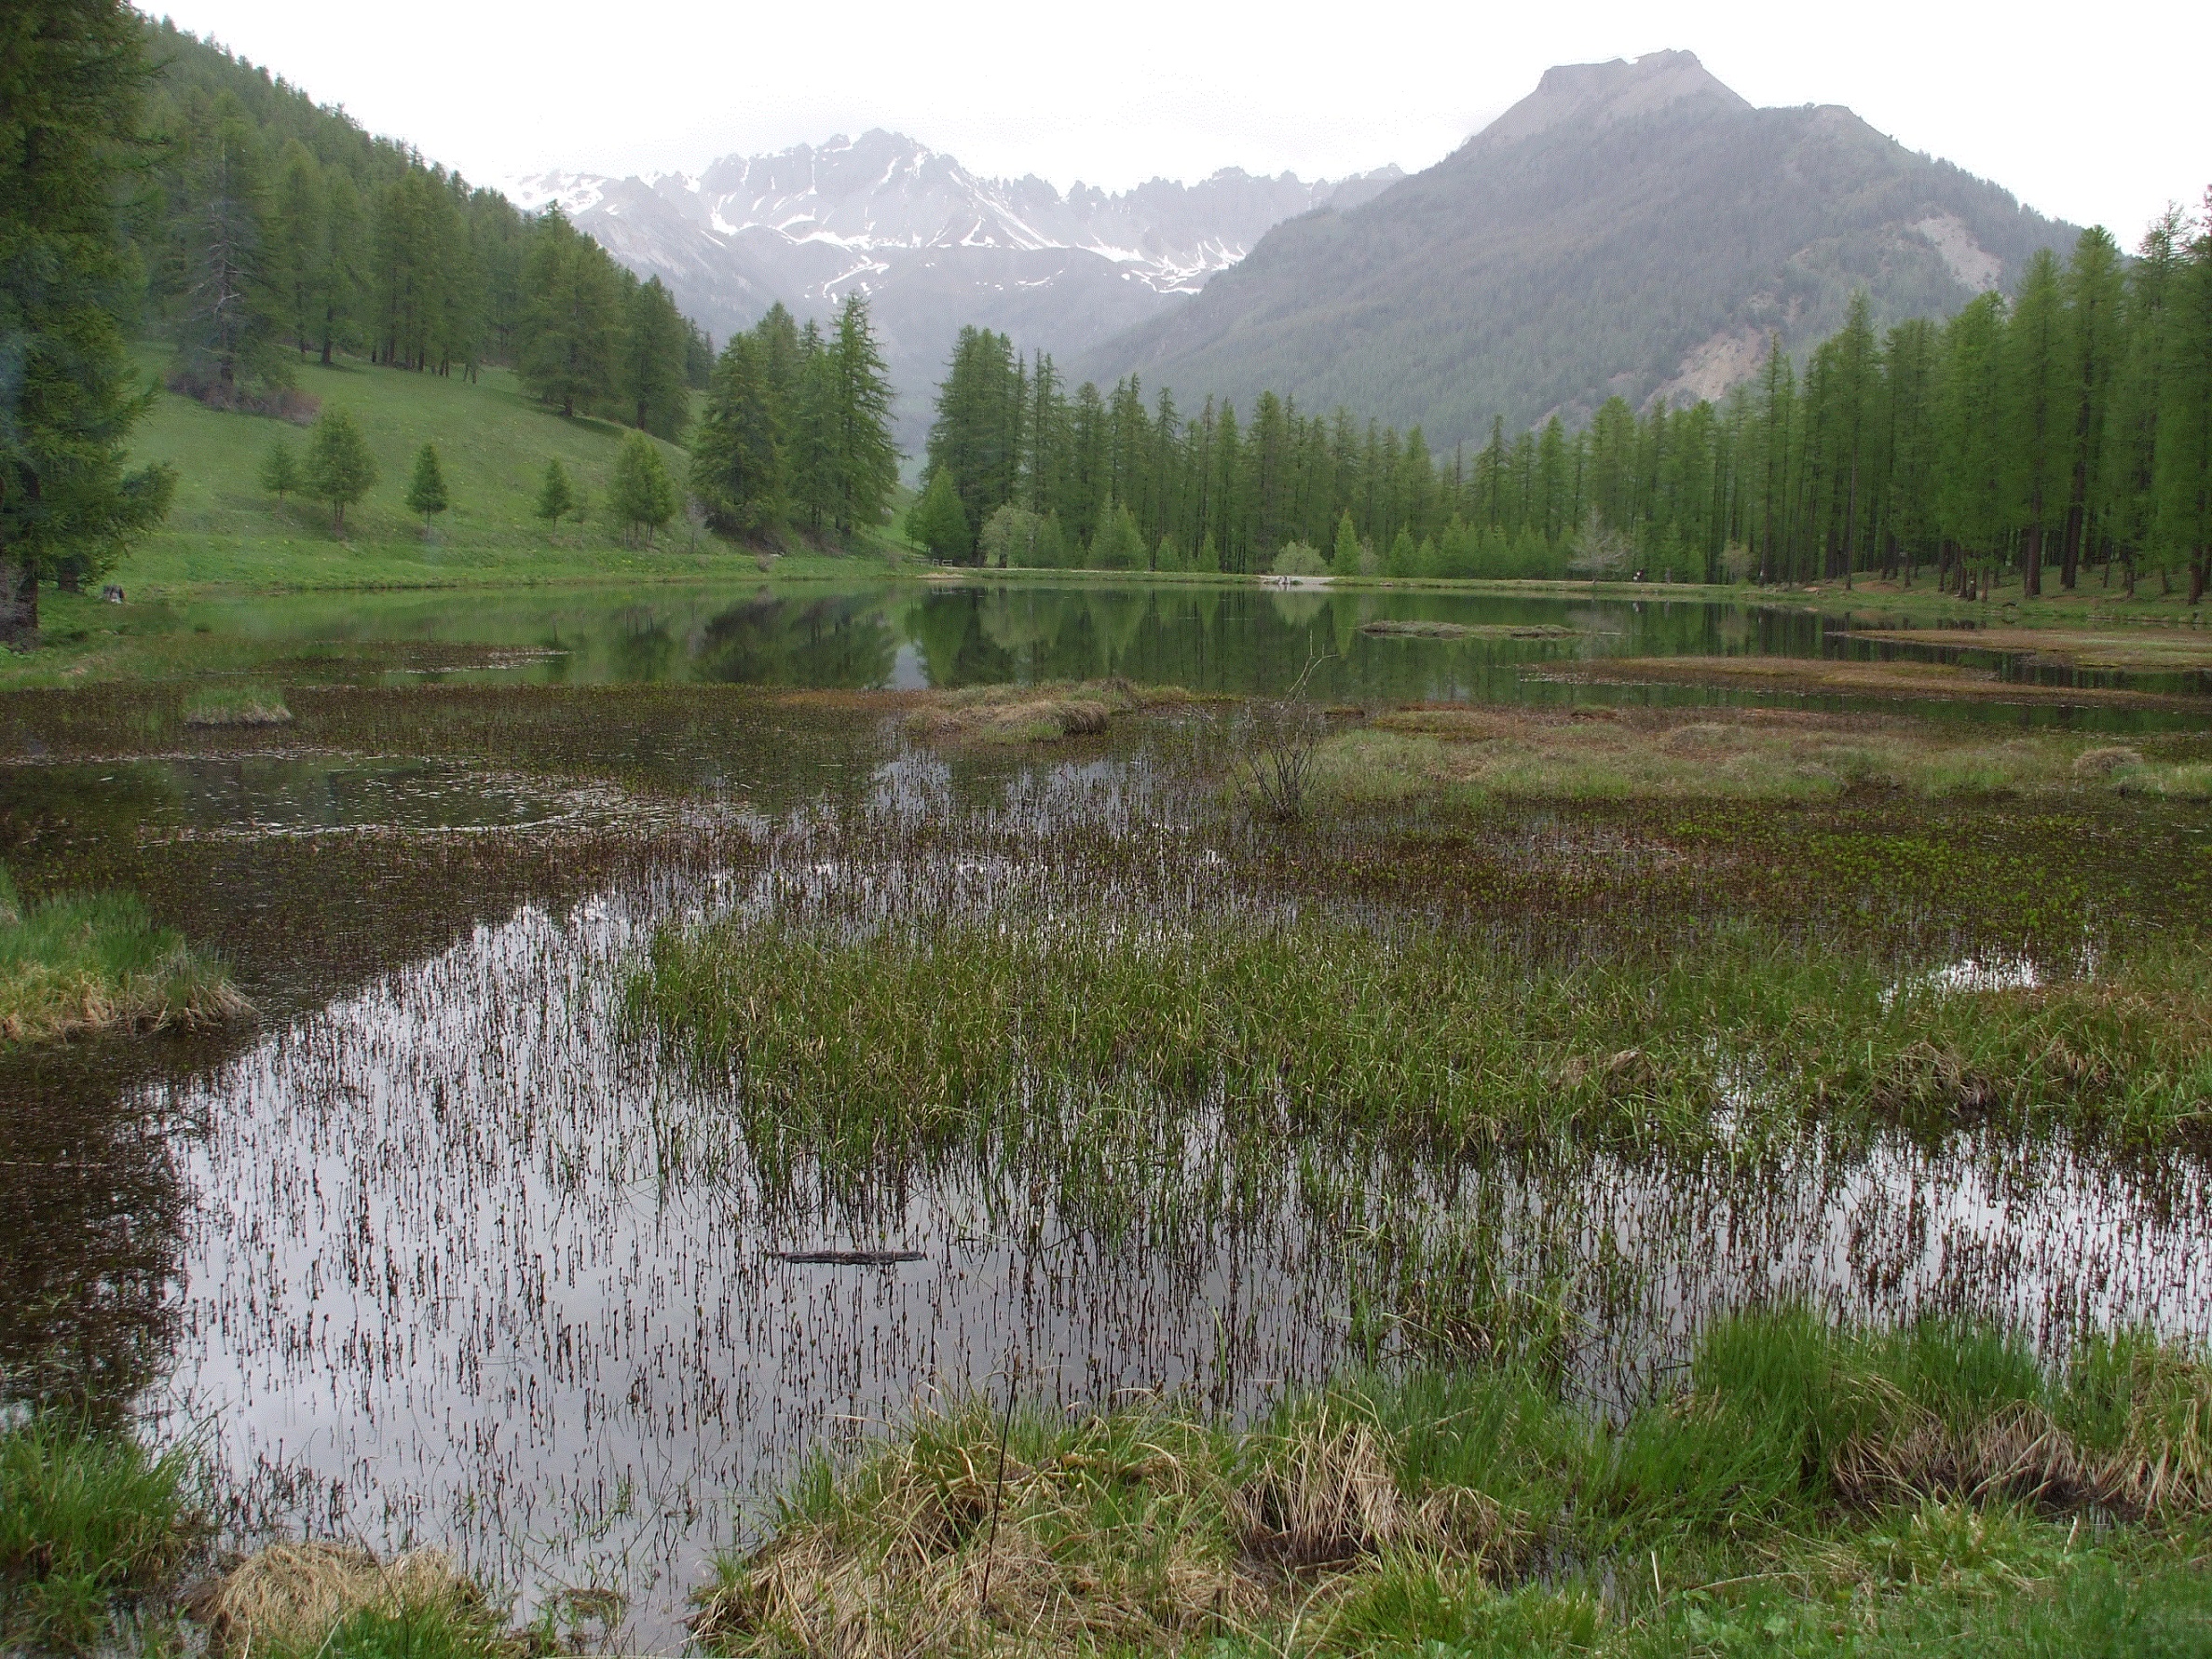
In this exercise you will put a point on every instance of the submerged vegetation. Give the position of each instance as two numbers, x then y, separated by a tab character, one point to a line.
975	1035
77	963
1808	1482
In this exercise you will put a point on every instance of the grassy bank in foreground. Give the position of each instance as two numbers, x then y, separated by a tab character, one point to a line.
77	963
976	1038
1809	1491
90	1524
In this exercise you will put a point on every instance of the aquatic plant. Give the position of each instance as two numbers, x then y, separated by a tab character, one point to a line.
77	963
950	1032
237	705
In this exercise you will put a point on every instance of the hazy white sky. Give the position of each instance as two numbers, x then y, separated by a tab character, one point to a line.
2097	115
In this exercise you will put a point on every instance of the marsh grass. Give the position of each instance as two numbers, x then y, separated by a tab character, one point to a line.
1042	714
77	963
332	1599
1438	1505
1841	676
90	1522
1778	756
237	705
851	1046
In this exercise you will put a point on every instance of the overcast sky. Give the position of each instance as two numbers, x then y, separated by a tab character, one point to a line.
2098	115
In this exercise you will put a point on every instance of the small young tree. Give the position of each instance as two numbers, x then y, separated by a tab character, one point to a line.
281	469
939	523
641	493
426	496
555	497
1209	559
1010	537
1601	552
1166	556
1343	559
1297	559
1118	545
340	469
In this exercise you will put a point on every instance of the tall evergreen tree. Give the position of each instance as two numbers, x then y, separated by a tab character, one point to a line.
73	73
737	462
866	460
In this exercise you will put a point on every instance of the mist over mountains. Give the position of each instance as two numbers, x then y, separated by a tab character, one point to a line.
933	246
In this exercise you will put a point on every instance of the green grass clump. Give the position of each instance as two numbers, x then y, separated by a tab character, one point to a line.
237	705
1476	1511
77	963
87	1520
956	1035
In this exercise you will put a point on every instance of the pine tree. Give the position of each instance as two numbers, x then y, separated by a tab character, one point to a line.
654	343
641	493
1118	544
568	346
335	281
2094	304
341	470
939	521
72	73
427	495
1343	559
555	497
737	454
227	327
866	463
279	470
2037	430
297	231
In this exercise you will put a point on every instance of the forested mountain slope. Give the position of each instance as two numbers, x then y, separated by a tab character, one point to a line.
1629	228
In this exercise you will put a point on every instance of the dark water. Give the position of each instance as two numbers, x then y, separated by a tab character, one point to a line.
1237	639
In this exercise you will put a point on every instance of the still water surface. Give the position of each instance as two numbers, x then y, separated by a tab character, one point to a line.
451	1253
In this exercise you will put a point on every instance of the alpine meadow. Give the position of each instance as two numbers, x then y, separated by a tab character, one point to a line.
1488	940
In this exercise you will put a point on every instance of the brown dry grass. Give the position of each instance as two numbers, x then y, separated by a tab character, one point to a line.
1746	754
289	1597
1148	1532
2152	649
1030	713
1816	675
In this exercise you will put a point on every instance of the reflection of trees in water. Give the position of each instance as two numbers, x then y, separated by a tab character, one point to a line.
957	648
1236	639
839	640
92	1217
641	647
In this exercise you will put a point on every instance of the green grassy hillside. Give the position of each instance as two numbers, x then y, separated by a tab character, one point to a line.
492	440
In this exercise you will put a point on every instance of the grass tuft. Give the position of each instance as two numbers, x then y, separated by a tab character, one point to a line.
237	705
339	1598
79	963
87	1521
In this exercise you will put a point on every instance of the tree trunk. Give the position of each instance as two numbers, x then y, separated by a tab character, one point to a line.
2071	556
18	605
2197	563
2031	561
69	576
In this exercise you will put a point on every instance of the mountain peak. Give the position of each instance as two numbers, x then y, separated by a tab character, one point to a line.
1596	94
